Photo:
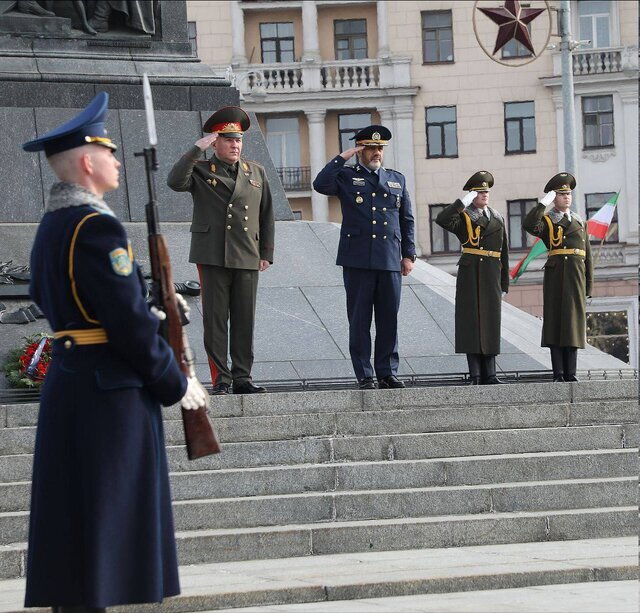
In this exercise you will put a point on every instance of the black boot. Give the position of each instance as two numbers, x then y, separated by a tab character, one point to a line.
570	361
473	360
77	609
490	370
557	363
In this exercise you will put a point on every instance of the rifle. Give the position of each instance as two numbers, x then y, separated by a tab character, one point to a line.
198	430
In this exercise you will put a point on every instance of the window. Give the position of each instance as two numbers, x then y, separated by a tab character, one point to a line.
597	121
193	37
276	42
437	37
283	142
609	332
593	203
595	19
442	137
349	126
442	241
297	215
519	127
350	39
517	210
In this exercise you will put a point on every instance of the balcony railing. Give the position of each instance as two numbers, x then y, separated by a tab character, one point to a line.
600	61
346	75
295	177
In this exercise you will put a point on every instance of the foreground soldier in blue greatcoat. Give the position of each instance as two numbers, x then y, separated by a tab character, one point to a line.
376	248
101	528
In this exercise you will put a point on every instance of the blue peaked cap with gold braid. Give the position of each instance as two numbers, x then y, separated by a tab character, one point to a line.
84	129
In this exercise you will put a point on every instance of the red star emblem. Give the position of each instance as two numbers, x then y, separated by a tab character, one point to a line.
512	22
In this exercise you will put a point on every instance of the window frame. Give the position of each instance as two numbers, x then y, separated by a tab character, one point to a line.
594	29
277	39
597	114
350	38
520	121
528	239
423	15
442	131
192	34
446	234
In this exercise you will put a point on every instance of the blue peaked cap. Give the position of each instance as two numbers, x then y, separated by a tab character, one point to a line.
85	128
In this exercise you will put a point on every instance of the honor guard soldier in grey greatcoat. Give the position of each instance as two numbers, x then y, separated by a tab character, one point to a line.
483	276
232	238
376	248
101	527
568	274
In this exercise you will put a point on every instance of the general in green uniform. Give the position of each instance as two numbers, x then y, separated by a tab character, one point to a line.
568	274
232	239
483	276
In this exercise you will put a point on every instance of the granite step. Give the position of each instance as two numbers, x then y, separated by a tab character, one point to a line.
318	507
338	582
329	538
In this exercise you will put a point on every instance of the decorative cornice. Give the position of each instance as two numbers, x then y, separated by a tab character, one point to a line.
598	155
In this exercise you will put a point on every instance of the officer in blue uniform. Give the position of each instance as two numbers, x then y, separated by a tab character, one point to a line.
376	249
101	528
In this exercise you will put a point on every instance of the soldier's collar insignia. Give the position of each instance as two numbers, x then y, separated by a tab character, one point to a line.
213	167
121	262
245	166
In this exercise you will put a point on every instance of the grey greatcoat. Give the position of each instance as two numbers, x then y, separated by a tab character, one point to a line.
232	223
567	279
481	280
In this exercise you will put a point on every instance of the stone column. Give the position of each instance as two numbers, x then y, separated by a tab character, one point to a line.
403	137
310	43
317	153
238	56
386	119
628	221
383	29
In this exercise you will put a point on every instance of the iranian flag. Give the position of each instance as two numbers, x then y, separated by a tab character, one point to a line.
537	249
598	225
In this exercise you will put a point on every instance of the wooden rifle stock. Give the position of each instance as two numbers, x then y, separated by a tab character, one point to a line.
198	430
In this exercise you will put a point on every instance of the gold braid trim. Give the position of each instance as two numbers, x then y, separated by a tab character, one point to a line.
554	241
474	237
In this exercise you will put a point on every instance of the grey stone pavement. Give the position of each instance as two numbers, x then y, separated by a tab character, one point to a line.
302	328
341	577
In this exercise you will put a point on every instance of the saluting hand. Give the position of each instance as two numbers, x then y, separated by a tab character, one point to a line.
469	198
206	141
548	198
349	153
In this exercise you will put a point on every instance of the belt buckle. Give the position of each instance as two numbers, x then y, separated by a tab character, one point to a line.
576	251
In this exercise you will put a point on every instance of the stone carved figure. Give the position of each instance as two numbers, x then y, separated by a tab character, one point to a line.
29	7
139	14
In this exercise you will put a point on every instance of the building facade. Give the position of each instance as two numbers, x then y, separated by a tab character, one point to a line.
315	72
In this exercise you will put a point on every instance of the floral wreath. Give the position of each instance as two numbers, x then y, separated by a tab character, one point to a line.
22	368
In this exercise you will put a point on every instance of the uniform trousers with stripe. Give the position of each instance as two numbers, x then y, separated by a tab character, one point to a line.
370	291
228	309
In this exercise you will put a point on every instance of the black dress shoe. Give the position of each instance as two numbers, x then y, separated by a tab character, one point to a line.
390	383
558	379
366	384
571	378
221	389
492	380
248	388
474	380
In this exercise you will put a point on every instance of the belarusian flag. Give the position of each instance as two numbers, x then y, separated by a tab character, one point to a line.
537	249
598	225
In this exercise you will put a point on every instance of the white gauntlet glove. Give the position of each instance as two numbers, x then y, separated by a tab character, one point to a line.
195	397
548	198
469	198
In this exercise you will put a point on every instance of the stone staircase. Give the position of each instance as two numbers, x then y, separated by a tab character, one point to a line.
317	480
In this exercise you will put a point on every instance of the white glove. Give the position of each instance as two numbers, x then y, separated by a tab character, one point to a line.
161	315
195	397
469	198
548	198
183	303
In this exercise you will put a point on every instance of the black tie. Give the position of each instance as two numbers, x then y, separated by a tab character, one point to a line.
486	213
